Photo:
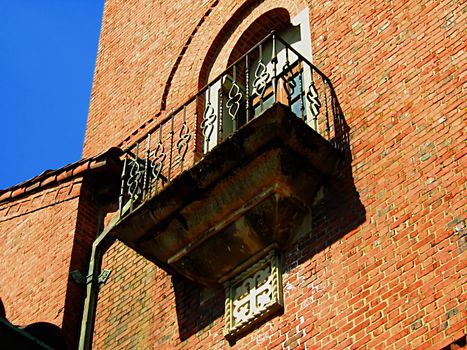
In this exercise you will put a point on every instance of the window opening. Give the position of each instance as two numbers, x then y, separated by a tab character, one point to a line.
262	75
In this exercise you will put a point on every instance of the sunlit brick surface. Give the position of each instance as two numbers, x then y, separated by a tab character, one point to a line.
381	265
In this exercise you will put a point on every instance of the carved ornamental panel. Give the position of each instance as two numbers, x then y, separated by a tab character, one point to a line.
253	295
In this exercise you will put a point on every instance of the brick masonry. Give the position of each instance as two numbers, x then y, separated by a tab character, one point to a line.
382	266
36	245
45	235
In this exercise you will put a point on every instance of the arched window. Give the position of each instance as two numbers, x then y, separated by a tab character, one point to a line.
267	64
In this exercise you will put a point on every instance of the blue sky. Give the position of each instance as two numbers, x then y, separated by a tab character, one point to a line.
47	55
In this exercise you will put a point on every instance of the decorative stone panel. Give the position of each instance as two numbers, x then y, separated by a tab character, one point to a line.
253	295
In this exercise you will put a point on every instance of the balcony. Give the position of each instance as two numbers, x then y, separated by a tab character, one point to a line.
235	170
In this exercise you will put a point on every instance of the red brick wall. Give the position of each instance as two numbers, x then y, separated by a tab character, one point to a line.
44	236
136	305
382	265
36	242
137	51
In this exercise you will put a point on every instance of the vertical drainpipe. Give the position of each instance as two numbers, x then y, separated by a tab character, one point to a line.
99	246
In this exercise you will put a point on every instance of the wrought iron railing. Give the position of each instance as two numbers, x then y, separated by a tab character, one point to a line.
271	71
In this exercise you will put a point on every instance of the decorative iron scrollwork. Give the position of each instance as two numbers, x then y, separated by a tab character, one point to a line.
135	177
233	103
157	161
209	118
289	81
183	141
261	78
313	99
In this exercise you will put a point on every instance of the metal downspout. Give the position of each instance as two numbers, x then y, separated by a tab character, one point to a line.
100	245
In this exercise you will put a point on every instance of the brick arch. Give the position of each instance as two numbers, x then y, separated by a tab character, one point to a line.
215	37
176	65
276	19
239	23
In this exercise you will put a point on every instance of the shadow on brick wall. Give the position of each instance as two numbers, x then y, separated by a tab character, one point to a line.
197	307
340	210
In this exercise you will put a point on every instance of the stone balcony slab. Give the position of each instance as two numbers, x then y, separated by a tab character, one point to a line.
251	191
